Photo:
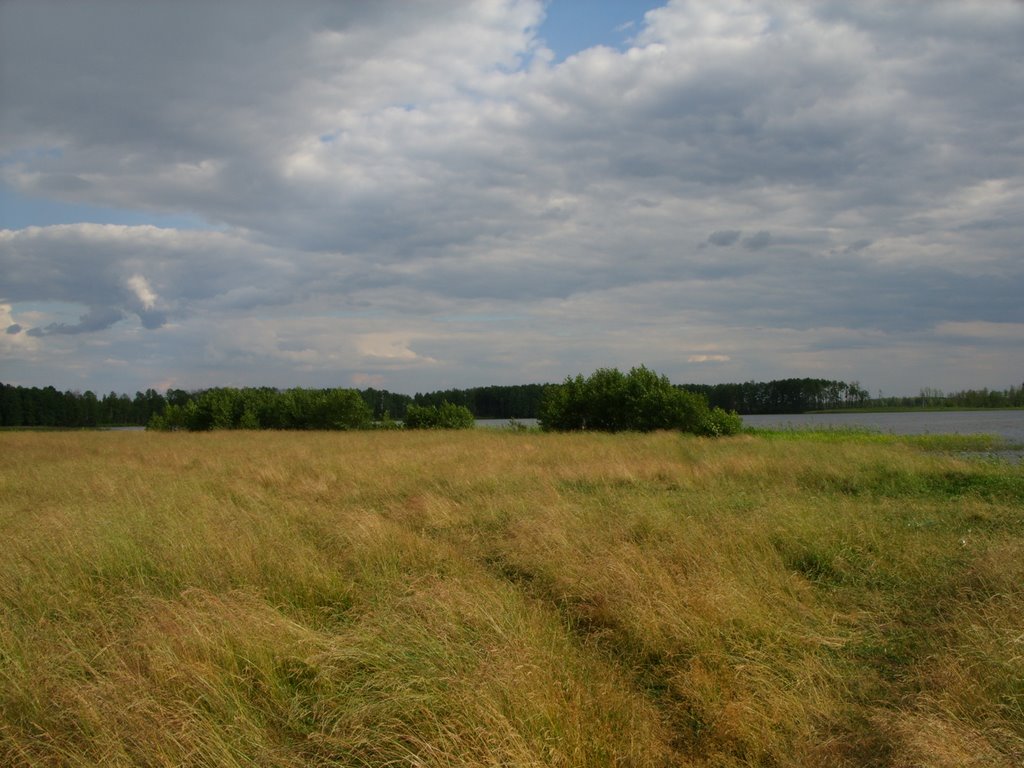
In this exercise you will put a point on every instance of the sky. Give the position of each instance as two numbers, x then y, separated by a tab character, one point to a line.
457	193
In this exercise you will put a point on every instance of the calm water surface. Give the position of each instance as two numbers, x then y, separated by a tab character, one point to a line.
502	423
1008	424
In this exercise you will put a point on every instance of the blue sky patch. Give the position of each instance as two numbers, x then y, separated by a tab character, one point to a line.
571	26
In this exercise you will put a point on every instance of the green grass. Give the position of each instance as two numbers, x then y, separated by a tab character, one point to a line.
509	598
951	443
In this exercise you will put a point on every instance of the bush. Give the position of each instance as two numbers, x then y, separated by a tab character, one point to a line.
444	416
718	422
611	401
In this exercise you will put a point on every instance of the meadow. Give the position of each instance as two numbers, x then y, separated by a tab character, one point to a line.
487	598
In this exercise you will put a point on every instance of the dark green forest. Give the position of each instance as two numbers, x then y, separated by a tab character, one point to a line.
782	396
803	395
321	409
50	407
518	401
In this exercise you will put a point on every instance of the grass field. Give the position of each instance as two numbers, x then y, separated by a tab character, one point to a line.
516	599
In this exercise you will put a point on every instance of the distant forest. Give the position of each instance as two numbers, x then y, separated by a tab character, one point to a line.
49	407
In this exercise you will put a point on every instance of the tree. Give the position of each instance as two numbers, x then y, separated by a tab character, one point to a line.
10	406
641	401
345	409
89	409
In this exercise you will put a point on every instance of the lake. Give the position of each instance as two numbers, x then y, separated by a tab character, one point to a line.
503	423
1008	424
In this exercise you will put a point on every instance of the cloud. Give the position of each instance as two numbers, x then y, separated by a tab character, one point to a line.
16	346
724	237
984	331
388	348
96	319
86	263
708	359
419	193
758	242
142	290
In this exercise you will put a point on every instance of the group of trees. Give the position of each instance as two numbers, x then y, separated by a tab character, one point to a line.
607	400
783	395
49	407
386	405
553	405
641	400
266	408
801	395
516	401
323	409
968	398
523	401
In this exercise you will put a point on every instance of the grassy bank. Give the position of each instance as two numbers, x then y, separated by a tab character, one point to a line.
501	598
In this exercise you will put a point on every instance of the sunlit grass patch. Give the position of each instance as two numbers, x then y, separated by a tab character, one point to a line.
508	598
928	442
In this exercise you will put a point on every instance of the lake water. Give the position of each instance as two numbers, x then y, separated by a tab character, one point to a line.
503	423
1008	424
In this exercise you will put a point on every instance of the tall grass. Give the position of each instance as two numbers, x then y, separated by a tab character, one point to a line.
502	598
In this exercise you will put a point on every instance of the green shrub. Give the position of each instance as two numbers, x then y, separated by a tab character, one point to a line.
444	416
718	422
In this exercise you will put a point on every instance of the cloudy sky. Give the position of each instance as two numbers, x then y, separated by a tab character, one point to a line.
450	193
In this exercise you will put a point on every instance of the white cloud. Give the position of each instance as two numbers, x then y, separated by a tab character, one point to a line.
389	347
14	339
142	290
987	331
746	170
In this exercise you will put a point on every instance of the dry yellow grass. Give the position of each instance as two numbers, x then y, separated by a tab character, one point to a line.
493	598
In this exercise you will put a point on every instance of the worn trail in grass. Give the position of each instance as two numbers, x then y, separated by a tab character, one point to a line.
499	598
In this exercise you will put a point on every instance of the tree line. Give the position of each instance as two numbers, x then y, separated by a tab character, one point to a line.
49	407
968	398
266	408
802	395
783	395
516	401
299	409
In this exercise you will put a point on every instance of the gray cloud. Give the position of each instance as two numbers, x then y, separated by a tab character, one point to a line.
96	319
378	169
759	241
724	237
858	245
